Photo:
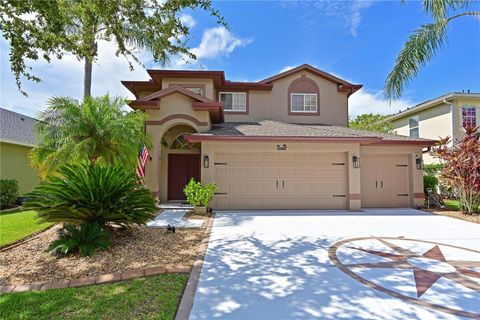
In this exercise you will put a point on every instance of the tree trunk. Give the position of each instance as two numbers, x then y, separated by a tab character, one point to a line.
87	78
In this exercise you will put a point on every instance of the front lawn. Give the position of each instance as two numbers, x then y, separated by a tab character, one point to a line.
15	226
144	298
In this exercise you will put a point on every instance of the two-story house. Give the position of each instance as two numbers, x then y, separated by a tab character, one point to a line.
447	115
279	143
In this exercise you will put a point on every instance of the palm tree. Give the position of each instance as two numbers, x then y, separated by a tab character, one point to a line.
98	130
423	43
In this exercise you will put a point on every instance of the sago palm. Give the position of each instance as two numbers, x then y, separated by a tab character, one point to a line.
97	130
423	43
89	193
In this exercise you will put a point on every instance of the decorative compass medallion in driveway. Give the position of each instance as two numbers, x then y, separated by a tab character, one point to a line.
434	275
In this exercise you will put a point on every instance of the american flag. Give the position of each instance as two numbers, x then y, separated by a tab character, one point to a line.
142	160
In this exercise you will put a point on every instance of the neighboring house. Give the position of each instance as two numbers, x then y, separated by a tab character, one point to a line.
279	143
444	116
17	138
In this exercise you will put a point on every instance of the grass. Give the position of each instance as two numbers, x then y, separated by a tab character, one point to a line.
144	298
18	225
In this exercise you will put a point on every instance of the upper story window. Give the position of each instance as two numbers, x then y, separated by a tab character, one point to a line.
234	101
413	126
198	91
469	117
304	102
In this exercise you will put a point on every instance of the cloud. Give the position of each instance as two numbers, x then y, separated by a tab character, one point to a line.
216	42
364	101
188	20
348	14
287	68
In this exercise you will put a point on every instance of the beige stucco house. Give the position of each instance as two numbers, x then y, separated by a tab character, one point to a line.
279	143
447	115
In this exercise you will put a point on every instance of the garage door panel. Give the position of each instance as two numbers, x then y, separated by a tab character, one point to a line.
385	181
281	181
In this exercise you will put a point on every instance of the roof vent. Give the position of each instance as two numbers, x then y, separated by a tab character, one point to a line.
22	119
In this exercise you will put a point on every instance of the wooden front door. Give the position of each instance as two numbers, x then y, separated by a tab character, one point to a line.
181	168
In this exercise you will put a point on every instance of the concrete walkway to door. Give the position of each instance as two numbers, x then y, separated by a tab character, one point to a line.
374	264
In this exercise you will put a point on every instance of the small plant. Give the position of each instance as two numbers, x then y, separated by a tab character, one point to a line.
430	182
85	239
92	194
199	195
8	192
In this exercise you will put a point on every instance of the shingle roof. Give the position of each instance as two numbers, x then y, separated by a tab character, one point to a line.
17	128
271	128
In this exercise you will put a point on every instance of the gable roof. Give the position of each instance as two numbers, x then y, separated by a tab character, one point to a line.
17	128
270	130
200	103
433	103
342	85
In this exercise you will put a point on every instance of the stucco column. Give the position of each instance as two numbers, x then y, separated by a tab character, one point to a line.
207	173
353	184
417	195
152	166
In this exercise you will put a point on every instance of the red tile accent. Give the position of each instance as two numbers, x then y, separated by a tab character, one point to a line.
178	269
155	270
107	278
56	285
355	196
82	282
176	116
130	274
5	289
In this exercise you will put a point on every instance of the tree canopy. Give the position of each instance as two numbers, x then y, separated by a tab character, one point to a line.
372	122
51	28
424	43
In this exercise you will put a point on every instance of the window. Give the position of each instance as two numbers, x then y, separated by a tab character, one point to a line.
469	117
234	101
304	102
198	91
179	143
413	125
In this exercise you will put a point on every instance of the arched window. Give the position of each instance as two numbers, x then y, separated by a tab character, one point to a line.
179	143
303	97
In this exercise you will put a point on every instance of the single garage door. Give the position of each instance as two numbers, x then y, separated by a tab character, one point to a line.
384	181
280	181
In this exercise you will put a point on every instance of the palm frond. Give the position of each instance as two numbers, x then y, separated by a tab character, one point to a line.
421	46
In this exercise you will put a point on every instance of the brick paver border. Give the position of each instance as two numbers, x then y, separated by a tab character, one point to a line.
119	276
102	279
186	304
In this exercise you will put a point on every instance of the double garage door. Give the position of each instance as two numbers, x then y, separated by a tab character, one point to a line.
280	181
249	180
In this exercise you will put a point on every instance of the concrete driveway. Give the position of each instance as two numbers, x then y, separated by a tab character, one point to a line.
375	264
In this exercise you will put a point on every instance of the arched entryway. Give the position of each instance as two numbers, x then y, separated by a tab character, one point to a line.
182	162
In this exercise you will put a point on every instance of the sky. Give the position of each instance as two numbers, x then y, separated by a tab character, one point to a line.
354	40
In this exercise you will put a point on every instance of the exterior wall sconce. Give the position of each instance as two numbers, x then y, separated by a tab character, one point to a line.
281	147
356	162
206	162
419	163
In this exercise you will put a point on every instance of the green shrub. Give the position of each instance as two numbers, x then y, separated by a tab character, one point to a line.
432	169
85	239
429	182
199	195
92	194
8	192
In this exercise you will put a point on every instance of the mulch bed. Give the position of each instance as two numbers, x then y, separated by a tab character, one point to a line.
475	218
139	247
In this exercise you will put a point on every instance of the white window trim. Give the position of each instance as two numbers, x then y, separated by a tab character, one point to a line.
232	110
477	116
417	127
303	94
